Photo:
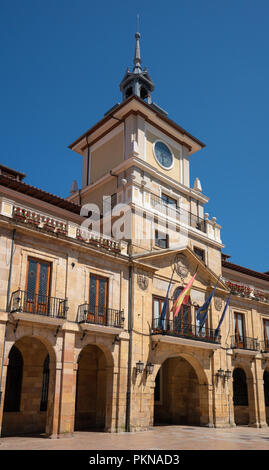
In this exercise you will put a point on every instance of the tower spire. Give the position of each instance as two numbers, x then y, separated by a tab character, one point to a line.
137	82
137	57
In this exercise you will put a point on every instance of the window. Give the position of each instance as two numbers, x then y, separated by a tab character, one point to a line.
169	200
158	303
161	239
37	286
182	322
266	332
98	299
200	253
239	329
13	381
45	385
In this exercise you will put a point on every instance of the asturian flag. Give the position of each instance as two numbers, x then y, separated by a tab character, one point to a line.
222	317
202	312
164	309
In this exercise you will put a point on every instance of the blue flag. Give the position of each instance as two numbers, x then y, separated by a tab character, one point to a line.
222	317
164	309
202	312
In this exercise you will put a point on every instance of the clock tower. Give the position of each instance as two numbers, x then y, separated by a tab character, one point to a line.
137	156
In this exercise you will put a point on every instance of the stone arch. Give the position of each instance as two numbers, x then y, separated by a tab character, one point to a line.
194	361
30	418
184	391
94	387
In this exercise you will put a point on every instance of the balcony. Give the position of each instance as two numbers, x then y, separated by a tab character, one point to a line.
96	318
179	214
242	342
24	305
265	346
188	334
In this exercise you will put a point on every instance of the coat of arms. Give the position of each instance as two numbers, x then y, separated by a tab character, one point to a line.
142	281
181	266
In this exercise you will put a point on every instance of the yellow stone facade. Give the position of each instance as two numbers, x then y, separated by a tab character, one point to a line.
80	373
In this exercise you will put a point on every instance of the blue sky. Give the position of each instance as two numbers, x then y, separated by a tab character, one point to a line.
61	65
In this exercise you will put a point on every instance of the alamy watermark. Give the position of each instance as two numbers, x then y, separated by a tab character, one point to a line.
123	222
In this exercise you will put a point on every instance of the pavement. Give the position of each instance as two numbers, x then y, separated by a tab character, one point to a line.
157	438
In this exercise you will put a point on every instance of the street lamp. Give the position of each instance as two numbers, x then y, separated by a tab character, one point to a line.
139	367
149	368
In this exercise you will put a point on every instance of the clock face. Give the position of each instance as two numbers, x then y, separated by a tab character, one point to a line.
163	154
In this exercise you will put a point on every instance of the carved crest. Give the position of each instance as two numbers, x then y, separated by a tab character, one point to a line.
142	281
181	266
218	303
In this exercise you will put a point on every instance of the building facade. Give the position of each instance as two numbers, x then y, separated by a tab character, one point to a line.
87	339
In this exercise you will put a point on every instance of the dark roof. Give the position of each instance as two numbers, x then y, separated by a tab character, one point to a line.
134	97
11	172
39	194
241	269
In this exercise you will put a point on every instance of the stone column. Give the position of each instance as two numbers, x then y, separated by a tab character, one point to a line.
252	404
54	401
68	384
206	405
260	394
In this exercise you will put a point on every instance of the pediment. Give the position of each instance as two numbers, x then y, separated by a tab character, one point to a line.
184	262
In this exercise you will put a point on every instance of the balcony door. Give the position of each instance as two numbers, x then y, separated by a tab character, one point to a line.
98	299
158	303
239	329
266	334
37	287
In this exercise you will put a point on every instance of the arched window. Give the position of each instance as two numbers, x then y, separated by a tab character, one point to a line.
266	387
143	93
128	92
240	389
14	381
45	385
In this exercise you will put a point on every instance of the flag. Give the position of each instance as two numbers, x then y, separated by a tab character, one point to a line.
222	317
183	296
164	309
202	312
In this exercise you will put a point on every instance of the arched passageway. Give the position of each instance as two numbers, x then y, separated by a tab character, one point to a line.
179	397
94	384
29	388
266	393
240	397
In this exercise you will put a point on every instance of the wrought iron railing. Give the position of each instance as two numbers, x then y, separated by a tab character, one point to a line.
27	302
243	342
264	345
180	329
180	214
100	315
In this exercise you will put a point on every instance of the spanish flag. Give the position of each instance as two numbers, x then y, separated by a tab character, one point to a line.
183	296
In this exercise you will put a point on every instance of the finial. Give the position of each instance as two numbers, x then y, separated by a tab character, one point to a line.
137	56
